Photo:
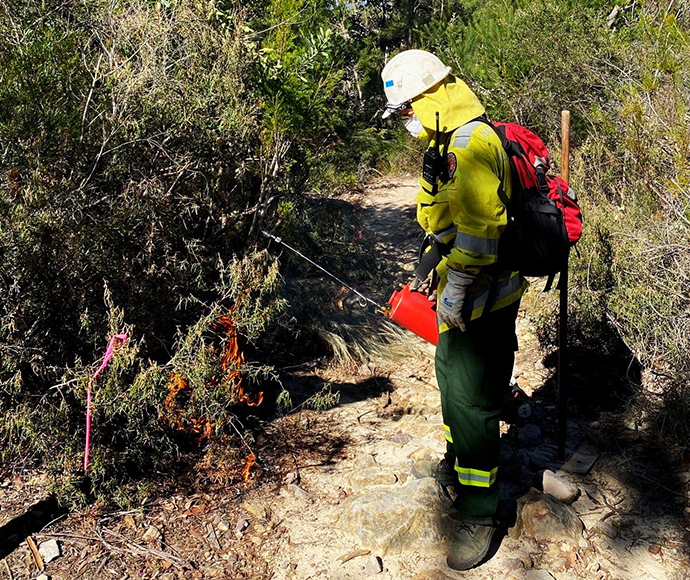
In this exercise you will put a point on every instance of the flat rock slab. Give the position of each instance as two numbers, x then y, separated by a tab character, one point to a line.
581	461
394	519
372	476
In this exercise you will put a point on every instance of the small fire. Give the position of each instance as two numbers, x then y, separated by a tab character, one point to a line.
232	350
174	413
233	360
200	427
249	463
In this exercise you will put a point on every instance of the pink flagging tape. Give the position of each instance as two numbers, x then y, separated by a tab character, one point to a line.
106	359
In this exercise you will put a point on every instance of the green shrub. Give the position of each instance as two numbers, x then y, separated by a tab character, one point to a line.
145	145
528	60
145	415
635	255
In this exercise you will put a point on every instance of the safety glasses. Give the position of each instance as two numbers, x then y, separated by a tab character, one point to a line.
390	109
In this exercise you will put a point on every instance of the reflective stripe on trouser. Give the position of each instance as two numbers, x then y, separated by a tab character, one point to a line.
475	477
446	430
473	370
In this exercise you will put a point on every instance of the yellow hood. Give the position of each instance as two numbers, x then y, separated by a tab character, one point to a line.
455	103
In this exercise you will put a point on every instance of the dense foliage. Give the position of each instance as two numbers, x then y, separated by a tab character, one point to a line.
635	164
145	145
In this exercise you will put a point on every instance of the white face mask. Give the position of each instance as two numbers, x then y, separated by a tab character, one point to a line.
414	126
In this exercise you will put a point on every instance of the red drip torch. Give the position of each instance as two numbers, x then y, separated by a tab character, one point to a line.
415	312
411	310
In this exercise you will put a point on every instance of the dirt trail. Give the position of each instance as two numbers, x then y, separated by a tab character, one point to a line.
628	530
292	523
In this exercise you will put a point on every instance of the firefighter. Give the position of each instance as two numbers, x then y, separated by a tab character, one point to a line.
461	204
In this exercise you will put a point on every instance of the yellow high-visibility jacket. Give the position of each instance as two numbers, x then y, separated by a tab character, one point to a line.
468	212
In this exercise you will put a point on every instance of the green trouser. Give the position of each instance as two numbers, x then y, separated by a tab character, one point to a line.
473	369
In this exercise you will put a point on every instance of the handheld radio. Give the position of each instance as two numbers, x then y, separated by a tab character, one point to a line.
434	168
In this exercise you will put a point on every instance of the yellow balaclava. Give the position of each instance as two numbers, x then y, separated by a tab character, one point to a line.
455	103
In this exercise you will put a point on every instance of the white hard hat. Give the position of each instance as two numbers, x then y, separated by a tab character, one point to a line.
408	74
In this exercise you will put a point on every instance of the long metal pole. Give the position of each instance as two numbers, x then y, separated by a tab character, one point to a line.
301	255
563	306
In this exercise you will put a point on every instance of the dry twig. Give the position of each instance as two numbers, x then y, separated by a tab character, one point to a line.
138	550
36	553
351	555
213	539
7	569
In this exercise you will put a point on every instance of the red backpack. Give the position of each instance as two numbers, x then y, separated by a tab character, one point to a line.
544	219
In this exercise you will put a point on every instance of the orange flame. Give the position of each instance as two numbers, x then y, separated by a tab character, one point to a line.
232	350
251	460
233	359
200	428
174	413
231	362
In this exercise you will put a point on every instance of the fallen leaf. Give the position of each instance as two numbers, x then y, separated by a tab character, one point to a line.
350	555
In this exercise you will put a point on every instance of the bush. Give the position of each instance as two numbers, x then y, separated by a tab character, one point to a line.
528	60
635	256
145	145
145	415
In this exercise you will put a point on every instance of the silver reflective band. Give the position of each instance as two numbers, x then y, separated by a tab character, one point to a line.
475	477
464	134
440	235
472	243
506	288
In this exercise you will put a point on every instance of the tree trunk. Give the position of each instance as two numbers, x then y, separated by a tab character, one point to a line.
410	23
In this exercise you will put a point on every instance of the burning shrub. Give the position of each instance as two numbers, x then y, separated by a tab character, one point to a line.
146	415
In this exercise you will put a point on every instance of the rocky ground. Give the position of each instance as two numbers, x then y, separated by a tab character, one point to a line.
333	496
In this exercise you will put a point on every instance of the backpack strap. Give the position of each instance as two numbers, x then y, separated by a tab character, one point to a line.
543	183
549	283
552	277
511	149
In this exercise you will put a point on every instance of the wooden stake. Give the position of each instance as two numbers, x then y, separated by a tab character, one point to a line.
565	144
563	306
36	553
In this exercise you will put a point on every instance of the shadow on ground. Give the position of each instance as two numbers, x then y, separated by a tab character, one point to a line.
38	516
310	391
636	479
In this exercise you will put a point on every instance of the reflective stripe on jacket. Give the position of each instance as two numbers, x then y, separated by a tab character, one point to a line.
468	213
